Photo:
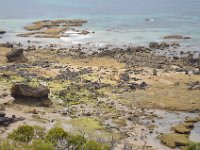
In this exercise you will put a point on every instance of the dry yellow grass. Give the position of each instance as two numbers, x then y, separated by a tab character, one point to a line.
163	93
3	51
88	62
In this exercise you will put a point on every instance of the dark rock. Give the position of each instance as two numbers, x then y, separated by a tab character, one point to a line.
176	37
124	76
135	86
25	90
16	55
2	114
26	94
2	32
154	45
7	44
194	86
155	72
175	45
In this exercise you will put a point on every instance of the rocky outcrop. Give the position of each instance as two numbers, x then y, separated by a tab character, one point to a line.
176	37
183	128
156	45
29	94
38	25
16	55
2	32
174	140
52	28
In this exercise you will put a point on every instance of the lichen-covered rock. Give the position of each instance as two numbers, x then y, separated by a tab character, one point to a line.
183	128
174	140
192	120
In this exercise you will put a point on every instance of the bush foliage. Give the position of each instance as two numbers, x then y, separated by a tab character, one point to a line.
34	138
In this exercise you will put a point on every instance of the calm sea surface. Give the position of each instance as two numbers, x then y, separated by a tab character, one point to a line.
114	21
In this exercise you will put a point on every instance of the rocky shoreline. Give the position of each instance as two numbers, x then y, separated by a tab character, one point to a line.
109	93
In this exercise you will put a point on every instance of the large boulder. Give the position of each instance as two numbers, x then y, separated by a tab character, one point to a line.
28	94
16	55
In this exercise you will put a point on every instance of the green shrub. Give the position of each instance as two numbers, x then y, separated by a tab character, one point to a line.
193	146
41	145
24	133
6	145
92	145
56	134
76	141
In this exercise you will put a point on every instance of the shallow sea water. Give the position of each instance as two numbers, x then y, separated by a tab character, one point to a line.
114	21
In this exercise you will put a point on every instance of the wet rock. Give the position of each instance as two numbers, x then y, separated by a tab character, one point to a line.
175	45
2	32
85	32
16	55
176	37
156	45
164	45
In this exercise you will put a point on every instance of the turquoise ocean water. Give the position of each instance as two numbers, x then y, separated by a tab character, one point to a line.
114	21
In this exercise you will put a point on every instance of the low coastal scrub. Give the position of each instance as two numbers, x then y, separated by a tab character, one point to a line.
28	137
193	146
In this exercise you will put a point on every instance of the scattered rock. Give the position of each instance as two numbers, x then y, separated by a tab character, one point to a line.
194	86
124	77
175	45
6	121
135	86
156	45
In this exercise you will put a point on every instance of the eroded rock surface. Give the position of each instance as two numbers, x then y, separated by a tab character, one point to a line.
16	55
28	94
